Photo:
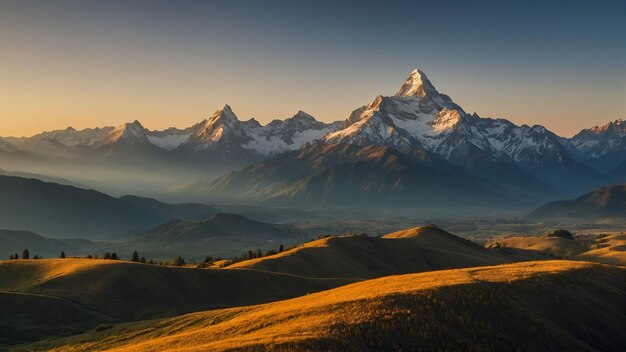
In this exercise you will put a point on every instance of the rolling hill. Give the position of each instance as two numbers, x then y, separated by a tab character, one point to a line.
65	211
552	305
413	250
603	248
607	202
126	291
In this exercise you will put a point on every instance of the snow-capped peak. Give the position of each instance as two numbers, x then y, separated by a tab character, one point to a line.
222	126
415	85
618	127
129	133
225	114
419	87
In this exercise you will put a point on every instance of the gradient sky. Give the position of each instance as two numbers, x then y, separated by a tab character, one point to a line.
172	63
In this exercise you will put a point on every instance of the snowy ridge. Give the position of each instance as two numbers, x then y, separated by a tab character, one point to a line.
223	130
418	115
598	141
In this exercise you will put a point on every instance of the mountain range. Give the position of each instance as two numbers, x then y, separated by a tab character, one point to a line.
417	141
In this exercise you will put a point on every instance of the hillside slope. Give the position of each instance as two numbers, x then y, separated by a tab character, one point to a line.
607	202
131	291
606	248
554	305
349	175
27	317
58	210
221	225
408	251
16	241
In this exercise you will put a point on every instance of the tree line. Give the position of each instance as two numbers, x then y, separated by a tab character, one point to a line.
176	261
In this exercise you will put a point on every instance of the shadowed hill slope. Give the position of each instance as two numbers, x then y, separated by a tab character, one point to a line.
58	210
413	250
27	317
16	241
534	306
345	175
130	291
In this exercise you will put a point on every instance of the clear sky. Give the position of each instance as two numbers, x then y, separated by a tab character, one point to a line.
172	63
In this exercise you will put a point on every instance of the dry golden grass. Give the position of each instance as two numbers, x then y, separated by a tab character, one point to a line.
531	304
557	246
408	251
132	291
607	249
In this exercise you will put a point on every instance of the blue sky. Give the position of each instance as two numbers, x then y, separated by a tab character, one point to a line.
91	63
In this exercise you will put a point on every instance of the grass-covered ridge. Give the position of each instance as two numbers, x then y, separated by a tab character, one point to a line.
550	305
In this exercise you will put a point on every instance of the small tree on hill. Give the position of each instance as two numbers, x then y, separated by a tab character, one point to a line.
62	255
281	248
114	256
142	260
36	256
135	257
25	254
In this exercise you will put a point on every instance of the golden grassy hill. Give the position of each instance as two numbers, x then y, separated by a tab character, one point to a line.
610	249
534	306
557	246
130	291
408	251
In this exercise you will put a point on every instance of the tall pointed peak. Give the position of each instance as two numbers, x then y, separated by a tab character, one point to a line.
417	84
301	115
130	132
225	113
135	123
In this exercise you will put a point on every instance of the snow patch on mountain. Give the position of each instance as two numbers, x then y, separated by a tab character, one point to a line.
169	141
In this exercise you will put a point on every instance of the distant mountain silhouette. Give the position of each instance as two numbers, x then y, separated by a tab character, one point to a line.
56	210
605	202
218	226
